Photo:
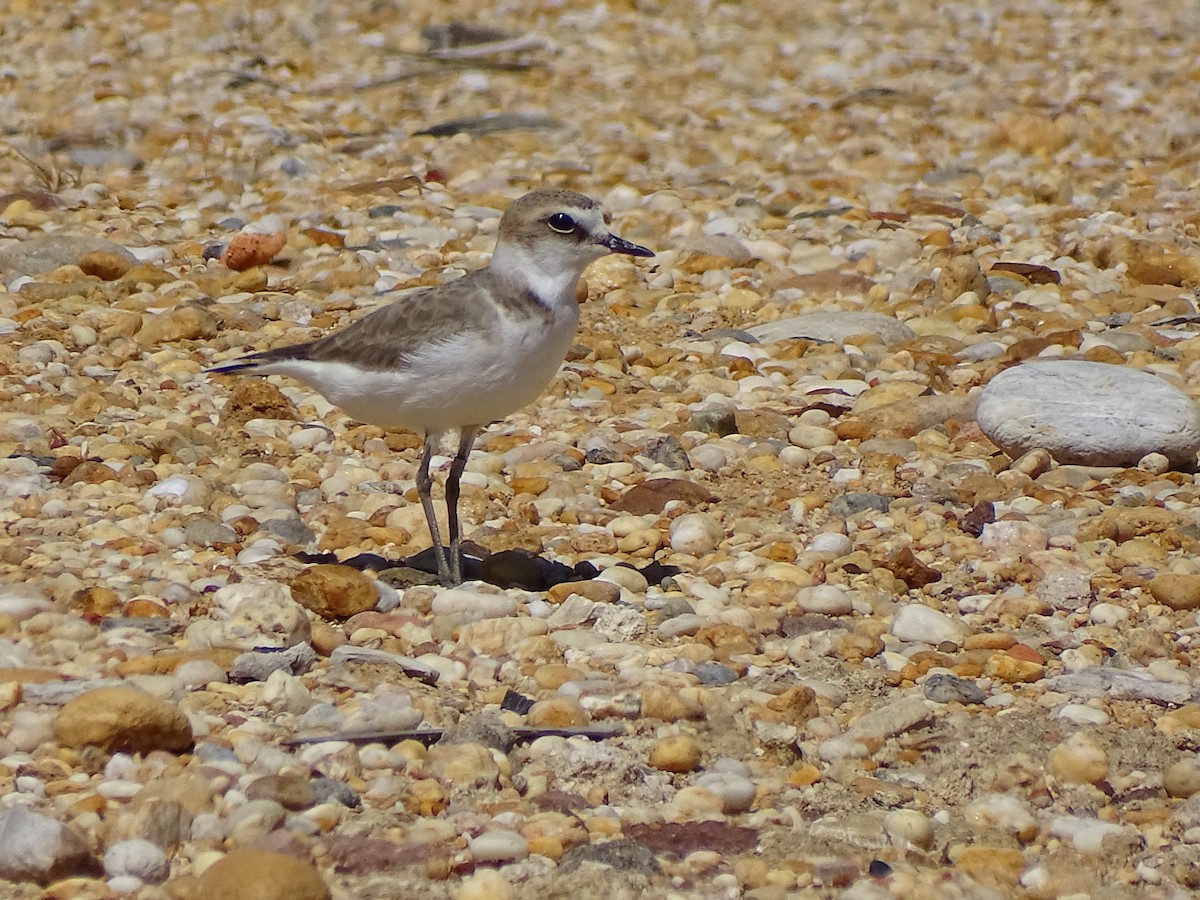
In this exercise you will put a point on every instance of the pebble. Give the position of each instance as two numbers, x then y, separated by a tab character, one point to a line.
678	753
1089	413
473	606
1079	760
247	874
736	792
1182	778
498	846
917	623
825	599
138	859
334	592
945	688
909	827
34	847
122	718
695	534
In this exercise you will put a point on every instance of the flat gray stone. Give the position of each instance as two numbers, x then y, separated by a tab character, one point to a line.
1089	413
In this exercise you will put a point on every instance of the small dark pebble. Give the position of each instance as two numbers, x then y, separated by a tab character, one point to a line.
384	212
879	869
326	789
514	702
292	166
231	223
945	688
213	251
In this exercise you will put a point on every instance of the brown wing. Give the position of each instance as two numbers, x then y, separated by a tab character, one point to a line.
387	337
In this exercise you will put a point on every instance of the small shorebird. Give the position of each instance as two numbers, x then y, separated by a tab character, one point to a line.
453	358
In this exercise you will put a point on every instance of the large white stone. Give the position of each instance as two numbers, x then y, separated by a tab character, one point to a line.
1089	413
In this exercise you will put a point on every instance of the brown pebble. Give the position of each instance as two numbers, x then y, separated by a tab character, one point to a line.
122	718
678	753
1181	592
333	591
556	712
259	875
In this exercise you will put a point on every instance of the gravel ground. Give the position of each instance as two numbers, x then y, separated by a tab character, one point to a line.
848	639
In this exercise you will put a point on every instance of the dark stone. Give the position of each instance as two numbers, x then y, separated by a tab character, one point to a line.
715	673
945	688
656	572
514	568
982	513
624	855
326	789
514	702
667	451
879	869
601	456
384	212
849	505
719	420
914	573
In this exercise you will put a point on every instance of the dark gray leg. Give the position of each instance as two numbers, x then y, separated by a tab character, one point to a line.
466	439
425	491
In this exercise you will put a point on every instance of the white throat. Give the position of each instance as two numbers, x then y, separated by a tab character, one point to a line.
551	275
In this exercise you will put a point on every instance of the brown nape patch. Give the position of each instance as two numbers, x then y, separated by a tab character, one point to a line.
256	399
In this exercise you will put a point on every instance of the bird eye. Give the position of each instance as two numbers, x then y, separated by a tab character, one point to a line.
562	223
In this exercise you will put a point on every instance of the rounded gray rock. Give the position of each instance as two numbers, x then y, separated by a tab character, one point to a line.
1089	413
137	858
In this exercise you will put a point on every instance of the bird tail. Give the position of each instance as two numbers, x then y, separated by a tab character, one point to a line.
252	362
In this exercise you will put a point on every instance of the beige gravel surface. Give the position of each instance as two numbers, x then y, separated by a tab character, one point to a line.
894	661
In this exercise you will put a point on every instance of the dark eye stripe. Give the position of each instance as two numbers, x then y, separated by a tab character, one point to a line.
562	223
